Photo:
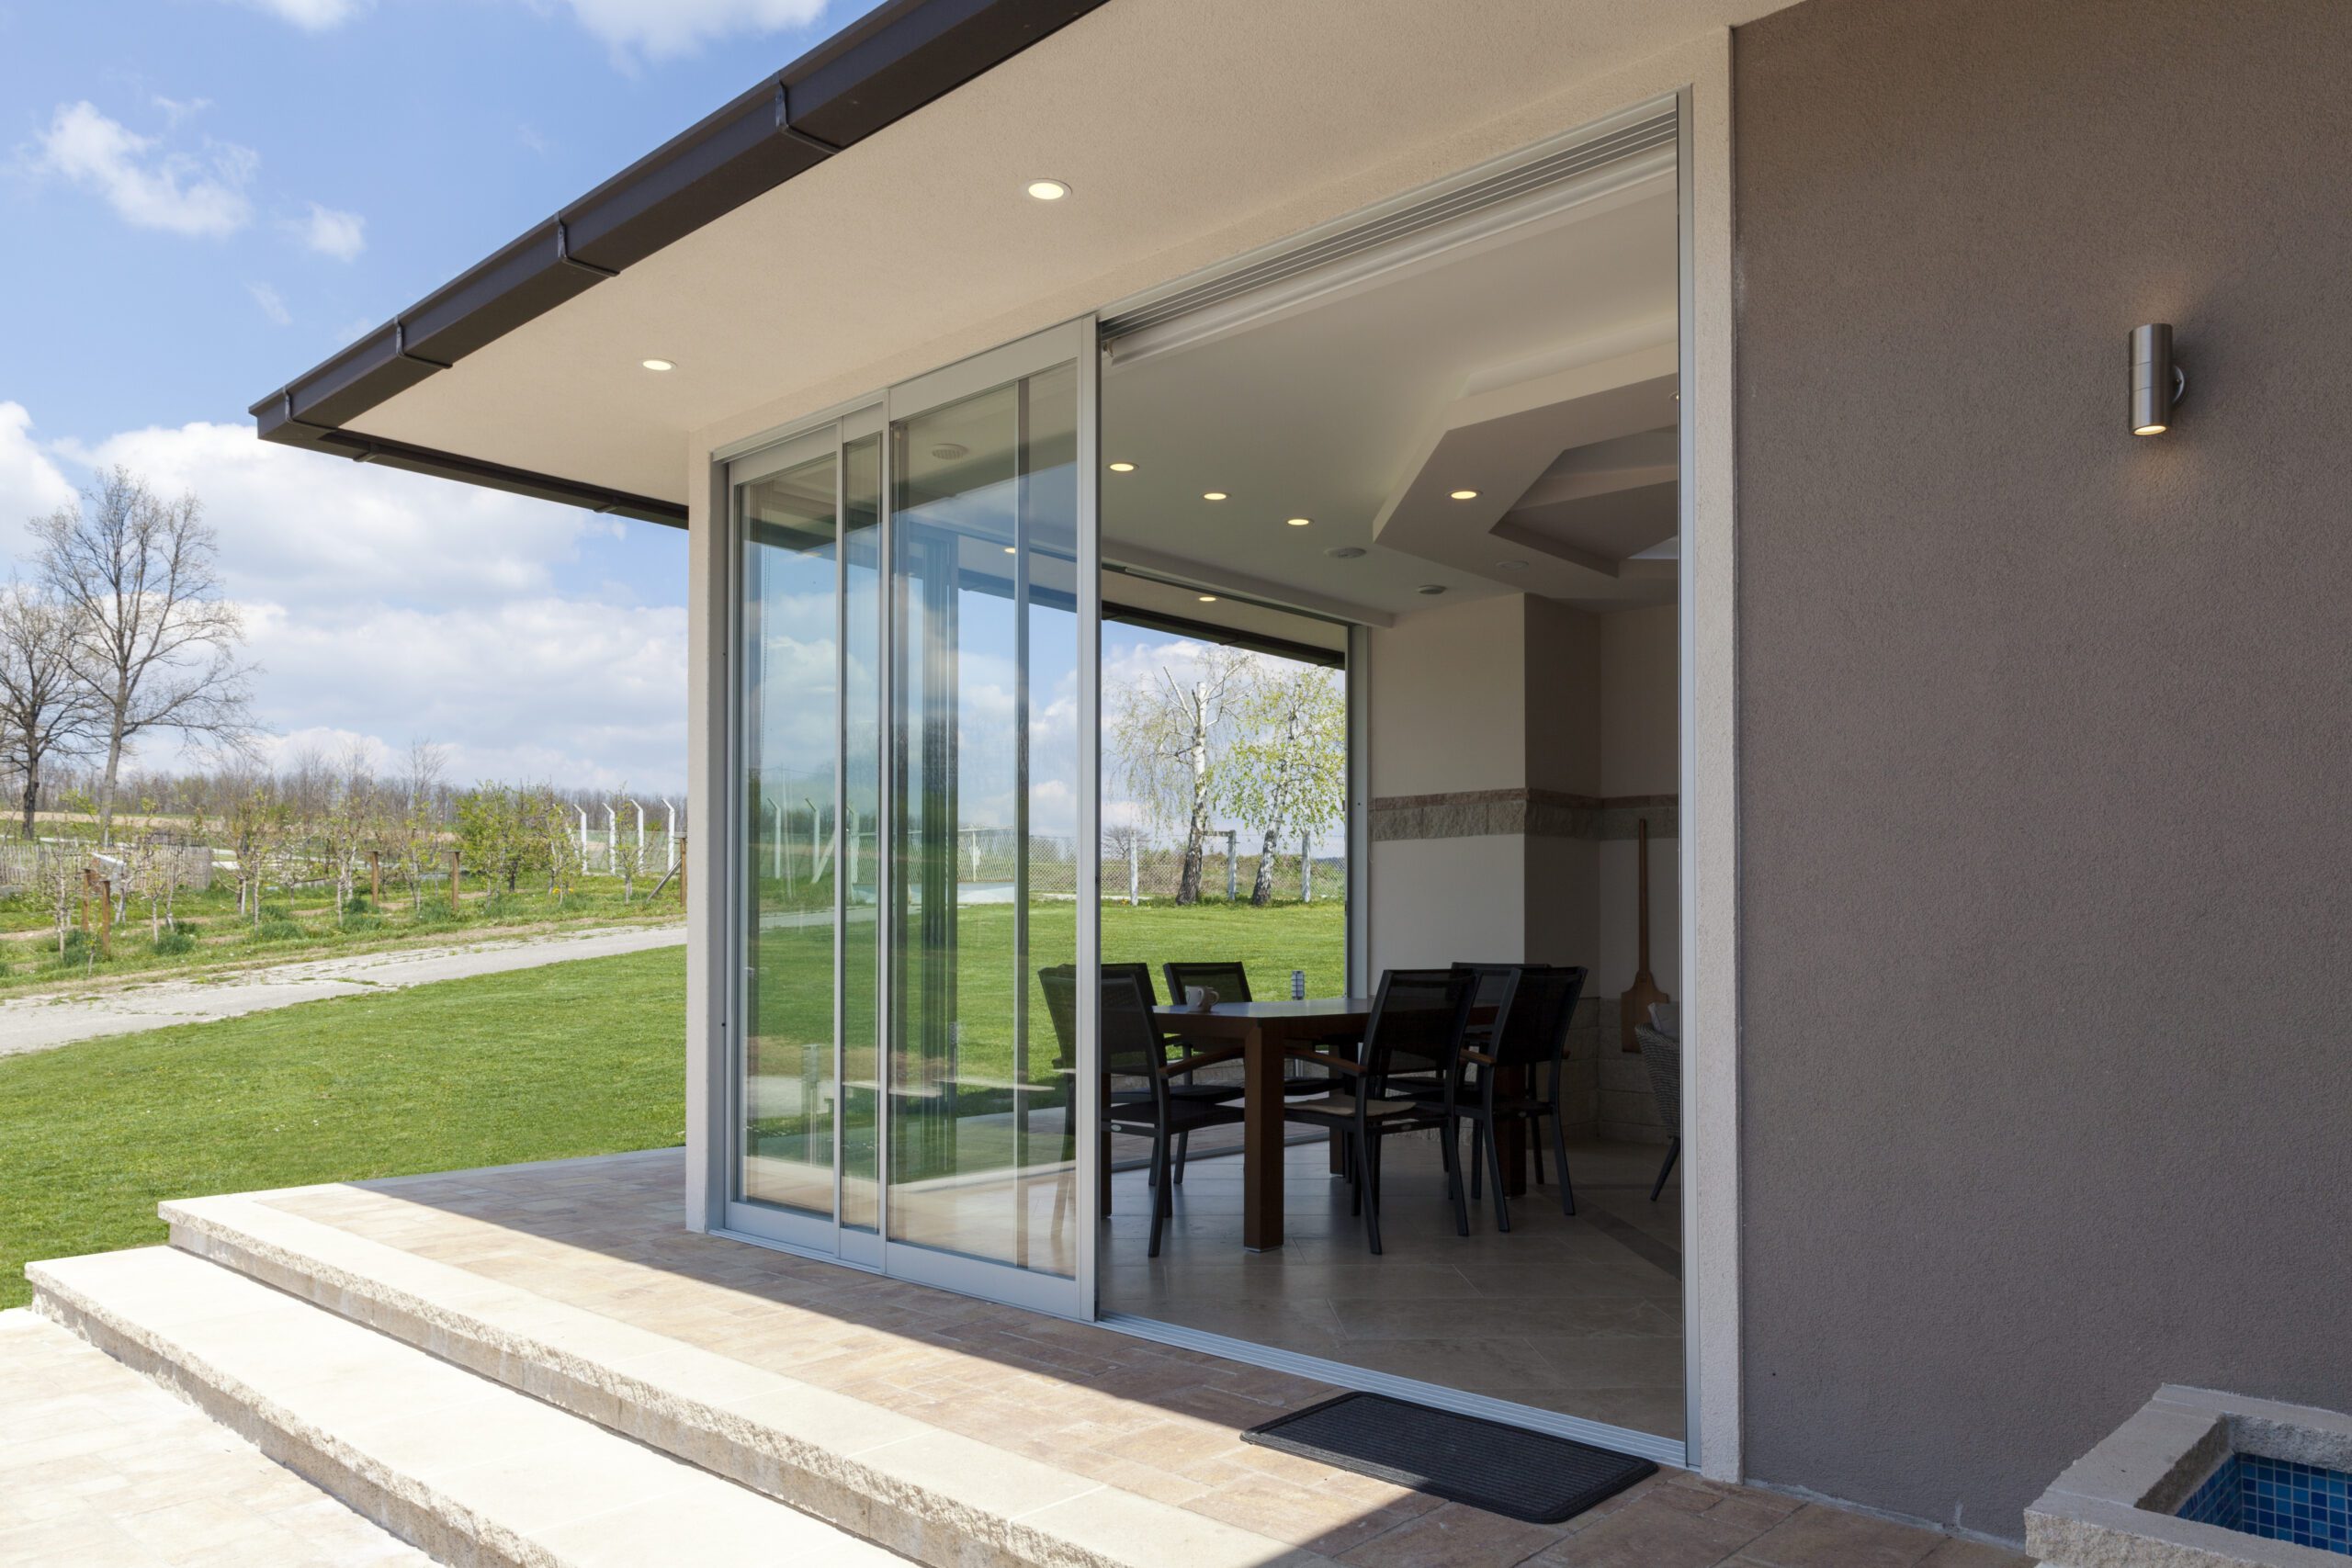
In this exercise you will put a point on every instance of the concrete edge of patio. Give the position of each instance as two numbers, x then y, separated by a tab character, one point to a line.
927	1492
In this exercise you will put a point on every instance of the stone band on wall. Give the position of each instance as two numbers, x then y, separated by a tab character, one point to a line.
1533	813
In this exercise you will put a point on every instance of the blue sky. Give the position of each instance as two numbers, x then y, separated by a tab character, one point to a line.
202	198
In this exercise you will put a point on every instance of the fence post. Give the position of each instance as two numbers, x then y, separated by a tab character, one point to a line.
376	878
1306	869
105	917
1134	872
453	881
1232	869
682	868
88	878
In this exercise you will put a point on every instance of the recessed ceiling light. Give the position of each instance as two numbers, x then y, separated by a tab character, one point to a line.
1510	565
1212	495
1466	495
1432	589
948	451
658	363
1010	551
1122	468
1208	598
1298	522
1048	190
1344	552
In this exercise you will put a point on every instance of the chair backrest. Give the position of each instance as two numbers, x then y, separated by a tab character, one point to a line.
1492	988
1535	1029
1131	1046
1415	1026
1141	974
1228	980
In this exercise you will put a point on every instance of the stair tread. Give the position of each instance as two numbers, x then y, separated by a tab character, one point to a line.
477	1449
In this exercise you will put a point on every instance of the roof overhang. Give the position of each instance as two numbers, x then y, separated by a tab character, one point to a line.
820	238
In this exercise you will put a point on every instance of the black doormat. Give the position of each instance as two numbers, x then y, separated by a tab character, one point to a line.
1504	1469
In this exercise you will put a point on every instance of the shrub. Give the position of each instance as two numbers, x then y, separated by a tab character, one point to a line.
434	912
78	944
174	940
279	931
353	925
357	904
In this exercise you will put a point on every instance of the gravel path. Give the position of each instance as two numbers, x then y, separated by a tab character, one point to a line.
43	1024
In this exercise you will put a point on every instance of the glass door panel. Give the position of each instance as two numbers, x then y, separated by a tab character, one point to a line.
861	936
792	831
991	822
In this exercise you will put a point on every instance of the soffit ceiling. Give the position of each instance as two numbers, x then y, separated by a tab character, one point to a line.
1187	131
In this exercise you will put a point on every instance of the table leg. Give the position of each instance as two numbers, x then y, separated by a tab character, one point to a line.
1261	1144
1510	1138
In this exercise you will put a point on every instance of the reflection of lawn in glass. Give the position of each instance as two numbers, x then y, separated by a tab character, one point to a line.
796	1001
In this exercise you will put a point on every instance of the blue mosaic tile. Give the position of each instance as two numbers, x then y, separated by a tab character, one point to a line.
2278	1500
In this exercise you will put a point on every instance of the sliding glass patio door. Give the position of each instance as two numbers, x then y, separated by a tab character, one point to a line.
913	766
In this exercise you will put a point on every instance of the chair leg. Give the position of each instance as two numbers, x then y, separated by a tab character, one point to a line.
1495	1169
1673	1151
1183	1152
1452	1133
1560	1158
1478	1157
1161	1203
1535	1151
1368	1161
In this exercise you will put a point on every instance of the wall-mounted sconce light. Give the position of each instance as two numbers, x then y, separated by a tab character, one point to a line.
2156	382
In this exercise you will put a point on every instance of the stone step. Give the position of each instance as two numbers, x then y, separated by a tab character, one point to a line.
465	1467
935	1495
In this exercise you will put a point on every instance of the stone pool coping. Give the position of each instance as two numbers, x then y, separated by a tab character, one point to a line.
2113	1507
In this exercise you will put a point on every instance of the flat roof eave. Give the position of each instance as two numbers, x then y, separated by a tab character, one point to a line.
880	69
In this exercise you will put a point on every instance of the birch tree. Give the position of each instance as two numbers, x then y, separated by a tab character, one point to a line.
1286	772
1168	735
154	645
46	714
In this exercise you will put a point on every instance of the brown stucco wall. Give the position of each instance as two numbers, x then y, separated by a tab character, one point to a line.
2045	731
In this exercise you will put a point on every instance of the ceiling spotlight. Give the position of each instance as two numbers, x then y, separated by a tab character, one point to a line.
658	363
1122	468
1212	495
1208	598
1432	589
948	451
1466	495
1011	550
1344	552
1510	565
1048	190
1298	522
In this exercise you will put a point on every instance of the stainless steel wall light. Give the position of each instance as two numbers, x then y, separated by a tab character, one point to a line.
2156	382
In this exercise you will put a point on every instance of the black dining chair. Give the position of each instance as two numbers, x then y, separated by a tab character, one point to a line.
1528	1046
1134	1056
1415	1031
1185	1087
1230	981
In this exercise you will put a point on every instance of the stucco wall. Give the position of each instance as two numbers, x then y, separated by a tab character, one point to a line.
2046	832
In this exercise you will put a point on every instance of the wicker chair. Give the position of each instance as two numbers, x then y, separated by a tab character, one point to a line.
1662	1053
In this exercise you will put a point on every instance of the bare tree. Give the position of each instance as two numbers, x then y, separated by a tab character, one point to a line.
1169	736
419	824
155	645
45	714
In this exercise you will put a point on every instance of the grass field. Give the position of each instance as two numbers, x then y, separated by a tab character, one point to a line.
578	1058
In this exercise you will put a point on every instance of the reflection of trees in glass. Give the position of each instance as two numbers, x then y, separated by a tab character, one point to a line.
1286	771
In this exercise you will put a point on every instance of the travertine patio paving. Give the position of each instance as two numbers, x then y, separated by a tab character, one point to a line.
100	1468
607	1235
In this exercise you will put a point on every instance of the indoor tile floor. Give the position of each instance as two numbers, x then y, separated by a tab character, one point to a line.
604	1235
1581	1315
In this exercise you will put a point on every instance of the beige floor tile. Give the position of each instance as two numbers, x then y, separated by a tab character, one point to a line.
1454	1536
1816	1537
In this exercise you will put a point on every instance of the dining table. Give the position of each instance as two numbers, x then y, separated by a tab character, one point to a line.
1266	1033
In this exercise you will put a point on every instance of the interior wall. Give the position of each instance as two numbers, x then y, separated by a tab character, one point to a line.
2045	873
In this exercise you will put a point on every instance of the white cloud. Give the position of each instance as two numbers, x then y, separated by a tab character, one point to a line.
177	109
660	30
272	303
310	15
387	606
302	528
341	236
147	187
30	482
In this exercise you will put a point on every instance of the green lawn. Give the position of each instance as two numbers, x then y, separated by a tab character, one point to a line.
580	1058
